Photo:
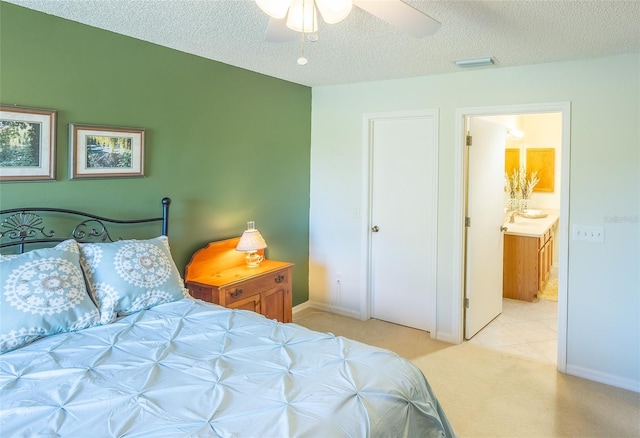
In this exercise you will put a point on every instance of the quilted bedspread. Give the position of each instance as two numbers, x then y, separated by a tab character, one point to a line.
189	368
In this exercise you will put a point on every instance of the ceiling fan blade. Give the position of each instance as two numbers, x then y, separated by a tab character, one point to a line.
400	15
278	32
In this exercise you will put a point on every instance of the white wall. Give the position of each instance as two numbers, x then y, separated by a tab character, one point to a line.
603	279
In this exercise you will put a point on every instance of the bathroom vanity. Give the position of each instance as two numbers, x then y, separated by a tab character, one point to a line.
528	255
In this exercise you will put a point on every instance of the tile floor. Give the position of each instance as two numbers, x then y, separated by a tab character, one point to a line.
523	329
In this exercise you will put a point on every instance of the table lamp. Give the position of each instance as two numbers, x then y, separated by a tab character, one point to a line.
250	242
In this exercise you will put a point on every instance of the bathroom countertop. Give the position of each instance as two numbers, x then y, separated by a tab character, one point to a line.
529	227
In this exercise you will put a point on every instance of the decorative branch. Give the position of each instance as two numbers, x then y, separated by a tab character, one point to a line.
527	184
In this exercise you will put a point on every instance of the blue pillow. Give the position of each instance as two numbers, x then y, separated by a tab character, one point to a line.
130	275
43	292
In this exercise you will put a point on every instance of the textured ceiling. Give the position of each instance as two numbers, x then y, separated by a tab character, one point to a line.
363	47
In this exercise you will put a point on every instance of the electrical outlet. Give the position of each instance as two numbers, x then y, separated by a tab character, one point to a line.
588	233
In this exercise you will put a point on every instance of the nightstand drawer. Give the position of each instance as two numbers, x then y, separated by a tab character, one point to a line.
202	292
254	286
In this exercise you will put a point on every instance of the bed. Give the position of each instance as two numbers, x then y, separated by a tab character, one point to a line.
99	338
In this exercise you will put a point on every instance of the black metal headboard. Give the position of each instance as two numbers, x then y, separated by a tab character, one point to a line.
26	226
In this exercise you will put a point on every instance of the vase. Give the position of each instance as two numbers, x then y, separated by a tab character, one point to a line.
524	205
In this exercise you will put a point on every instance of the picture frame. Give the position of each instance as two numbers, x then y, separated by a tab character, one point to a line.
27	144
105	151
542	160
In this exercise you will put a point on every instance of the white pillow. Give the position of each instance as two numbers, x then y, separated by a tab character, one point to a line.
43	292
130	275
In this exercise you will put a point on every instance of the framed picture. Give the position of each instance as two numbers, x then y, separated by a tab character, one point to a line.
105	151
542	160
27	144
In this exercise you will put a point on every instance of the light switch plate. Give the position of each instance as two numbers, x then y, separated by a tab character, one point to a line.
588	233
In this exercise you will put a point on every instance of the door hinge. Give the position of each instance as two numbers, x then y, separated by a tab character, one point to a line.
469	140
467	221
466	303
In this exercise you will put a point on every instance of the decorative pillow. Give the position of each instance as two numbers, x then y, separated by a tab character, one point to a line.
43	292
130	275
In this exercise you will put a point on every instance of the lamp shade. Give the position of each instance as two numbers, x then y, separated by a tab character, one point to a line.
302	16
274	8
334	11
251	239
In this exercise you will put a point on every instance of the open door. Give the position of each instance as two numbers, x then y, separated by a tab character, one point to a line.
485	218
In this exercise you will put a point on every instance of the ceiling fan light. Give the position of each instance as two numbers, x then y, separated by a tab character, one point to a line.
274	8
302	16
334	11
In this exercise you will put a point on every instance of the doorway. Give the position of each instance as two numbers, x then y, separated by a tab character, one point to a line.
563	160
529	147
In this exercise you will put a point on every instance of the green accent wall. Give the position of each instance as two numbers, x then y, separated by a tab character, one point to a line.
227	145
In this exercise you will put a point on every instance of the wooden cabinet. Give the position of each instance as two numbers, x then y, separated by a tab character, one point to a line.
545	258
527	262
218	274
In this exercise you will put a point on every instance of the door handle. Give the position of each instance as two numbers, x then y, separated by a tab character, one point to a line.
375	229
503	228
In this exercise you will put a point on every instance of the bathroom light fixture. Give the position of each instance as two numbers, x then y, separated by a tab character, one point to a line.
250	242
514	133
475	62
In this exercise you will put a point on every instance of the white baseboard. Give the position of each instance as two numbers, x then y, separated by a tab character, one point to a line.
440	336
300	307
606	378
445	337
326	308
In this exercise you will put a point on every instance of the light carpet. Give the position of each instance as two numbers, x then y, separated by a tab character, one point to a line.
486	393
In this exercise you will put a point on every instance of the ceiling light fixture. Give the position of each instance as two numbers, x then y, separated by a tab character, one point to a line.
302	15
514	133
475	62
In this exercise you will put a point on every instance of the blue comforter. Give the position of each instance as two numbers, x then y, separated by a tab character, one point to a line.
190	368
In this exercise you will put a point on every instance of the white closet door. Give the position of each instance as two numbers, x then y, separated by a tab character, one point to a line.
404	164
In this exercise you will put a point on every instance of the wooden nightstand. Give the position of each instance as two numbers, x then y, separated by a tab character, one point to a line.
218	274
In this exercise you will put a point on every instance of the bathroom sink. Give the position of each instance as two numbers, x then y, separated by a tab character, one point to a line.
534	214
521	220
528	226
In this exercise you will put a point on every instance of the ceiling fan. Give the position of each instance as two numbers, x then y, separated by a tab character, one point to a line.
289	18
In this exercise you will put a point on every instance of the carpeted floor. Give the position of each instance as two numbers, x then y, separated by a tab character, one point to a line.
486	393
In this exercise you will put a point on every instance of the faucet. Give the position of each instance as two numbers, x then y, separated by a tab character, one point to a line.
512	219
